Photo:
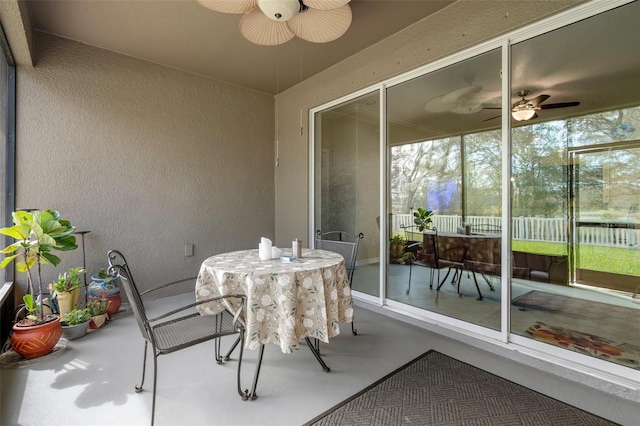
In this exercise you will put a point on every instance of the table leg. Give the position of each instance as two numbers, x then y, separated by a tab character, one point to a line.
316	353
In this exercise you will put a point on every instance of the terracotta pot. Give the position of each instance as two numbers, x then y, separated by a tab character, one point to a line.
98	321
113	304
36	340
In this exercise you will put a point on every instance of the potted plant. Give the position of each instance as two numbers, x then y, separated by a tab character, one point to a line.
396	249
67	290
36	235
98	310
422	218
75	323
105	286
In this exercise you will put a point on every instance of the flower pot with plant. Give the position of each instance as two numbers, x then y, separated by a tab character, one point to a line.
36	235
107	287
396	248
67	290
75	323
98	310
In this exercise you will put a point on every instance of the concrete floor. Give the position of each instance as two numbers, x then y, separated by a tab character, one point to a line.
92	381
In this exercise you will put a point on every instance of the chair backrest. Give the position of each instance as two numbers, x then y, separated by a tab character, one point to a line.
429	253
118	266
343	243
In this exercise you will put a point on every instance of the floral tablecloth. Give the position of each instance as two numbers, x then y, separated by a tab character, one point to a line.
286	301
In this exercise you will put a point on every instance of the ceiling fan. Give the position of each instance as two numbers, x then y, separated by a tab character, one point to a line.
526	109
273	22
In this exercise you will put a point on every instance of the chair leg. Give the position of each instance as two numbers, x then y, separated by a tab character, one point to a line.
431	274
409	286
246	395
155	382
443	280
227	357
144	367
353	330
475	280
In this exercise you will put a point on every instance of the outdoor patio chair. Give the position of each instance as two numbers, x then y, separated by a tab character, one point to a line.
426	254
343	243
483	257
180	328
451	251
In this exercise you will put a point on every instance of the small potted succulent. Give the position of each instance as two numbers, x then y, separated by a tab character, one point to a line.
98	310
75	323
67	290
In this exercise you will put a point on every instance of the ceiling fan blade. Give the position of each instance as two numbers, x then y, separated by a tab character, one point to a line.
256	27
229	6
325	4
559	105
492	118
321	26
437	105
491	107
538	100
458	94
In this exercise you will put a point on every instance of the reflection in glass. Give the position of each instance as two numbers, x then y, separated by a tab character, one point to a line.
347	180
576	188
445	157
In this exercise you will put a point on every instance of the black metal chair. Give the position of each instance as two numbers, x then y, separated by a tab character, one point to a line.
426	254
345	244
180	328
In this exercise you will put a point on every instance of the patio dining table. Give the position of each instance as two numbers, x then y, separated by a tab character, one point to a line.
286	300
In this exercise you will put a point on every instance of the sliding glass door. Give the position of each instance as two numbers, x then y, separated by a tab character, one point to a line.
572	216
347	180
443	140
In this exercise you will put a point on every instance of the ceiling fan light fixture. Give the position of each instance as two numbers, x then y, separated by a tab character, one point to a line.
279	10
523	114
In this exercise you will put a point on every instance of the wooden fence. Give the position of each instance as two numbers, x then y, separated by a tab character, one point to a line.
553	229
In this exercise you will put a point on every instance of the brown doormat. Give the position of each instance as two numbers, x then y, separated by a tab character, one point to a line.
435	389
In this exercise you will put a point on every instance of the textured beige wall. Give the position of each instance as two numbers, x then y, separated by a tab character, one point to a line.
145	157
459	26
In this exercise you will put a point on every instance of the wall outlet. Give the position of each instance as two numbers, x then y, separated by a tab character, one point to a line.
188	250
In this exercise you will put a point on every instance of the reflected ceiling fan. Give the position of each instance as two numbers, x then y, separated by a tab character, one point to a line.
273	22
526	109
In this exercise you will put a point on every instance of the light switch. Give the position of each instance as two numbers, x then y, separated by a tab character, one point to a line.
188	250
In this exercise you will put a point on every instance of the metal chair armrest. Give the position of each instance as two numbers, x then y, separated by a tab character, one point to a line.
166	285
236	315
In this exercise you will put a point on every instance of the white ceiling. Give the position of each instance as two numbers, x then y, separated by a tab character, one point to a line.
184	35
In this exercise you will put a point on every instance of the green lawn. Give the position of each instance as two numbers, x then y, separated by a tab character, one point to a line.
597	258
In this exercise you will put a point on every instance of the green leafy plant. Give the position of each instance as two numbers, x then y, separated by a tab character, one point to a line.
37	235
76	316
397	239
32	307
69	281
97	306
422	218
